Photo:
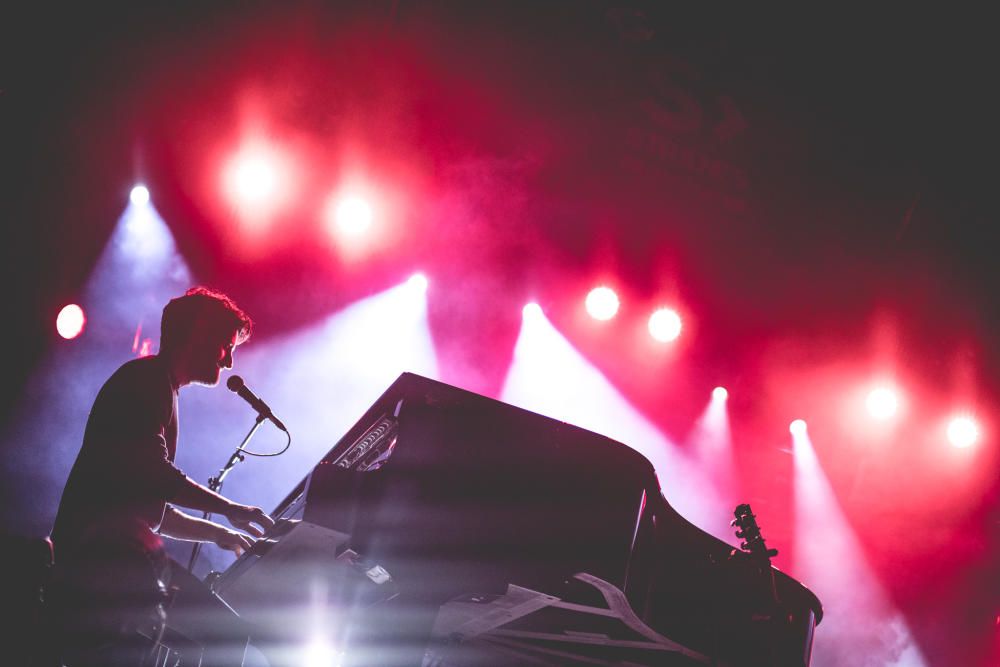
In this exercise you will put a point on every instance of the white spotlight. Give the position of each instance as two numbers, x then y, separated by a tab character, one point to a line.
139	195
665	325
320	653
602	303
720	393
797	427
353	215
254	179
259	181
882	403
531	310
418	282
963	432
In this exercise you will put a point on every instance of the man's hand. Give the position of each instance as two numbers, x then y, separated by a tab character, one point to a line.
230	540
245	516
184	527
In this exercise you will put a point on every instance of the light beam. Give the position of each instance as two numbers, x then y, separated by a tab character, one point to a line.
319	381
861	626
139	195
137	272
548	376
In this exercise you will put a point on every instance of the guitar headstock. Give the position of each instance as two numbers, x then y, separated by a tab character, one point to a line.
749	532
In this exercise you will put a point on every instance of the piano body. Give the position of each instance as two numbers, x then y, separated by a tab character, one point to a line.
439	496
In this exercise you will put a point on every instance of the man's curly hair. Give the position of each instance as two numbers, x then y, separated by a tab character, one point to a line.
202	312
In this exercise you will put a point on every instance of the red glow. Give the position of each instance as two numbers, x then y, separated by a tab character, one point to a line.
257	181
141	347
361	216
137	337
70	321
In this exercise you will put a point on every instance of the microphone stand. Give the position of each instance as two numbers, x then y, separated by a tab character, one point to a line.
215	483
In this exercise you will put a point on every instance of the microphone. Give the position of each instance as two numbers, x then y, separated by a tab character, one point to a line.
239	387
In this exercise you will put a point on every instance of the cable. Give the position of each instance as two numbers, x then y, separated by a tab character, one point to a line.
263	455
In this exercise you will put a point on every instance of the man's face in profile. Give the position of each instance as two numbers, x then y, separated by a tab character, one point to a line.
209	356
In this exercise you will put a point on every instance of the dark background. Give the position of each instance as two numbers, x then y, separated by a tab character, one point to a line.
801	183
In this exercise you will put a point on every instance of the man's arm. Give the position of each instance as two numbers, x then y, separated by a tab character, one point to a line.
181	526
194	496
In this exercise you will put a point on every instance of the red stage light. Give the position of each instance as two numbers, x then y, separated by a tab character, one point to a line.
256	181
665	325
254	178
963	431
602	303
70	321
720	393
351	215
882	403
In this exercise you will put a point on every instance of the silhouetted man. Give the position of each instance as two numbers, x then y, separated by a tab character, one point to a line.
111	573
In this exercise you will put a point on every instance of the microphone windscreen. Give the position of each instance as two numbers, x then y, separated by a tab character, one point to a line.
235	383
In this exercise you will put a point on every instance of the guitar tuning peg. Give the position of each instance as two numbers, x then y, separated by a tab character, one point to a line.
739	534
734	522
772	552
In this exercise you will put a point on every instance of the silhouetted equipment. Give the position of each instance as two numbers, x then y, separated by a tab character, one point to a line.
27	565
440	496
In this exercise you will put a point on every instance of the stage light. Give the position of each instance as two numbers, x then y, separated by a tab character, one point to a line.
963	431
418	281
352	216
547	375
710	445
139	195
320	653
254	178
70	321
602	303
257	181
665	325
863	624
797	427
882	403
